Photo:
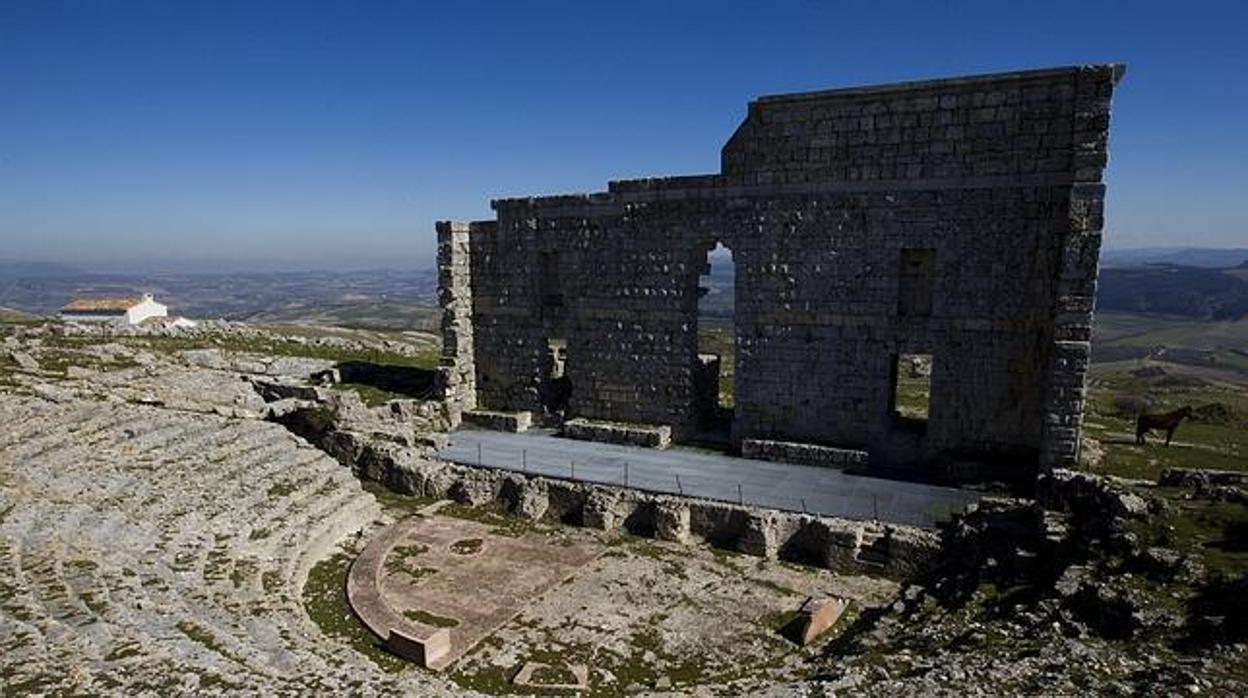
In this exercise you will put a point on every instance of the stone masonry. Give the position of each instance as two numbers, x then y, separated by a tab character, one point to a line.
958	218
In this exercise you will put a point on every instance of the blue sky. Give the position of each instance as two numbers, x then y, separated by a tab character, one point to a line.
313	134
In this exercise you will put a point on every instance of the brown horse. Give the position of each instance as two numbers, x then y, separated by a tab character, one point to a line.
1167	422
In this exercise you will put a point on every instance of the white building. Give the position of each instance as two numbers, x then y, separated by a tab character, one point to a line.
122	311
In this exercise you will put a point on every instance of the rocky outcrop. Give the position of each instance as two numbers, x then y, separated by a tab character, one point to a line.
1088	496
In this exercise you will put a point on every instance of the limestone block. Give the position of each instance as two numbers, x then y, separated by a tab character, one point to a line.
473	490
24	361
671	521
815	617
514	422
759	536
423	651
650	436
603	510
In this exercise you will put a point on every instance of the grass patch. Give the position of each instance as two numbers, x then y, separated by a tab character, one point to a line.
913	395
717	336
325	600
123	650
1213	532
400	558
282	489
243	570
500	523
371	396
1118	390
395	504
280	346
199	634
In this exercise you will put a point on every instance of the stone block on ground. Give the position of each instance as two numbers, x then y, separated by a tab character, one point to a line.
25	361
514	422
815	617
646	435
424	651
802	454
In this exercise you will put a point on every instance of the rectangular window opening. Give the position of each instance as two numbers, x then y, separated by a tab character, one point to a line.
917	276
550	286
912	389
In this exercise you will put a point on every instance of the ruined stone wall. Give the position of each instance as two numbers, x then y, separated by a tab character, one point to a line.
456	370
989	187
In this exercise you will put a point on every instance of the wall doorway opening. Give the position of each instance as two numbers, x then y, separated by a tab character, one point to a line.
715	371
555	389
911	390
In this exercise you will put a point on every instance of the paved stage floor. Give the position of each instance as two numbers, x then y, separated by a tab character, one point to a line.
710	475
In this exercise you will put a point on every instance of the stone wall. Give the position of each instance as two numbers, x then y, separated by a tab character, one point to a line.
977	200
843	545
456	371
805	454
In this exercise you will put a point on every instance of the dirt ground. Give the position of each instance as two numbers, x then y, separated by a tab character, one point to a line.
643	615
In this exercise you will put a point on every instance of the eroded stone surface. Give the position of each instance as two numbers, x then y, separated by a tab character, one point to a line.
651	616
164	548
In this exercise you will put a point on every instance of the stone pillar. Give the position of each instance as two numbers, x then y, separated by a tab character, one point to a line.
759	536
1071	352
671	521
457	381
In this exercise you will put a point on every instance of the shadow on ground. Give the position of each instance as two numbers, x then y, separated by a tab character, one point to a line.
411	381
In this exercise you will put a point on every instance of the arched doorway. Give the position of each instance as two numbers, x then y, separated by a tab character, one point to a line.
715	370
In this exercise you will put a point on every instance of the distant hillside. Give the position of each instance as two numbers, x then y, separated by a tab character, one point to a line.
45	288
1170	289
35	270
10	315
1212	258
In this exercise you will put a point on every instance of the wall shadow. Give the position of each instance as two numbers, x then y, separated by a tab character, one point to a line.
412	381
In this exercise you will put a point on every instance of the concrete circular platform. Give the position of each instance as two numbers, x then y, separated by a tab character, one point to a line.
432	586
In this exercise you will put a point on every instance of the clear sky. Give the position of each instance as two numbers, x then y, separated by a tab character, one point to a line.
315	134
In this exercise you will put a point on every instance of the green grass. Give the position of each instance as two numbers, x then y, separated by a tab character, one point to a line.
1131	329
282	489
718	336
363	315
1216	533
401	559
325	600
371	396
201	635
268	345
242	571
500	522
912	397
395	504
1196	444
